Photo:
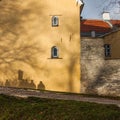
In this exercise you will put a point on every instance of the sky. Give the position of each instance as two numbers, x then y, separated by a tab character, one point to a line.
93	9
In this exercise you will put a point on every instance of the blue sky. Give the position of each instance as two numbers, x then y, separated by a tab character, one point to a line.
93	8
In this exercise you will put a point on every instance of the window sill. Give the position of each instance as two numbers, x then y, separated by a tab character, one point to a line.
55	25
55	58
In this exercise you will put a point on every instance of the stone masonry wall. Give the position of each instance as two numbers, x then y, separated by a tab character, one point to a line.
98	76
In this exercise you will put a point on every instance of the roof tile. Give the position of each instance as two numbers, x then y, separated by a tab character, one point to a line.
99	26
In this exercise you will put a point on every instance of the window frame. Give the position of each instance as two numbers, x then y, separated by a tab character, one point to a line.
107	50
55	21
54	52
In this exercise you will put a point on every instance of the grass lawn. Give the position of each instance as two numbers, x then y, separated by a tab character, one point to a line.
13	108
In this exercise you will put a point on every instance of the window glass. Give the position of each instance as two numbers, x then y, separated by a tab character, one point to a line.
54	52
55	21
107	50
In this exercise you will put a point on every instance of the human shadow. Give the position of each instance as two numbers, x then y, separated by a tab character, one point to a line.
41	86
7	83
26	84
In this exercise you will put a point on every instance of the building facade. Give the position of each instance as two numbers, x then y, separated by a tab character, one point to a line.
100	62
112	44
40	44
40	48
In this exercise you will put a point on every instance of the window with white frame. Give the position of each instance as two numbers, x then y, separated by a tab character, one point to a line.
54	52
55	21
107	50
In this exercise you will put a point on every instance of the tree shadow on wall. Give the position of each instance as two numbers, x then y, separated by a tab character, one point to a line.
70	64
12	48
71	72
105	78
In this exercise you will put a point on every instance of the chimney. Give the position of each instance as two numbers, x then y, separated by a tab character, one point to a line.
106	16
80	2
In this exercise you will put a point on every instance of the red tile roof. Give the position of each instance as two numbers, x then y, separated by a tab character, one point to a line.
98	26
115	23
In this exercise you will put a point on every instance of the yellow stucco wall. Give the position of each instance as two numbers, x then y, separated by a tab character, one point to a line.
26	41
114	40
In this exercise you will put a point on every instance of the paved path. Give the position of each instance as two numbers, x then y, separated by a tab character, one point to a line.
53	95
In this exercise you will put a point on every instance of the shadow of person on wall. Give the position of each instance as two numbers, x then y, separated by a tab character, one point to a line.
1	83
41	86
32	85
7	83
24	83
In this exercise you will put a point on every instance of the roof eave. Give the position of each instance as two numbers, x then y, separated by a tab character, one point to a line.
109	33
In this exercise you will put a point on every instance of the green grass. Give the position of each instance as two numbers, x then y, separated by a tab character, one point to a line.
14	108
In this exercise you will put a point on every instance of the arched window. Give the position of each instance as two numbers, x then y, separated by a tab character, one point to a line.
54	52
55	21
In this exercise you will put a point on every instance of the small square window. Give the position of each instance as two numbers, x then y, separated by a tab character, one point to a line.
55	21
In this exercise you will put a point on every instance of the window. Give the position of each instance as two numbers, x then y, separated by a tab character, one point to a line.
107	50
55	21
54	52
93	34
